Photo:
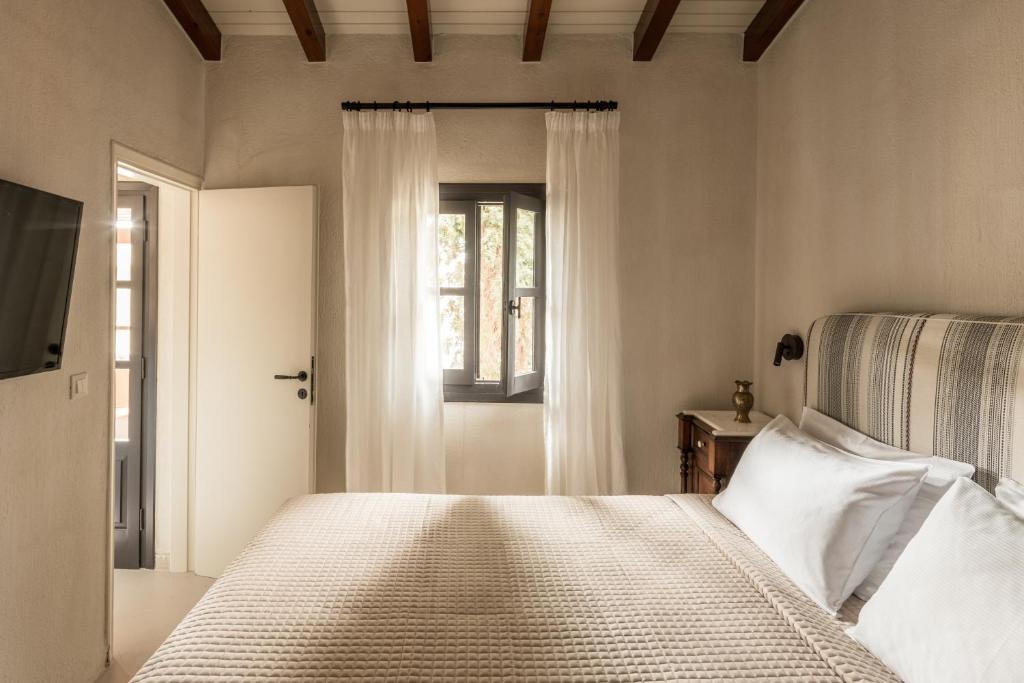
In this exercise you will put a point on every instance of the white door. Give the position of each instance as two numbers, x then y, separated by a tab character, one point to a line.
255	320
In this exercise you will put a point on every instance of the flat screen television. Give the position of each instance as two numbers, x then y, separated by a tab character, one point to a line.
38	241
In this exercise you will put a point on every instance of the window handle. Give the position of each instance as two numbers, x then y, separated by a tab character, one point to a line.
516	306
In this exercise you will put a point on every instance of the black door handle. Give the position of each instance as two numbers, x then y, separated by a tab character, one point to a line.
302	376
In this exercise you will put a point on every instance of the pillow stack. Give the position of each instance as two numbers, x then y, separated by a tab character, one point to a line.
942	472
941	559
823	515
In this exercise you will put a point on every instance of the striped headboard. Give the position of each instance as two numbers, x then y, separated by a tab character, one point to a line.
942	385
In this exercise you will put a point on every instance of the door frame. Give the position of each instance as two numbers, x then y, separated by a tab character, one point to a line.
124	156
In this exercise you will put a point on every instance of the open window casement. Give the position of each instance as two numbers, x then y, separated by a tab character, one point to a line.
524	362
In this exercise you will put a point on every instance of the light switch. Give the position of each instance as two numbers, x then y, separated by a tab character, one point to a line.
79	385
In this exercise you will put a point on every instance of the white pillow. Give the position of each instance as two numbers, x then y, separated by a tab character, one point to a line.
952	609
823	515
941	475
1011	494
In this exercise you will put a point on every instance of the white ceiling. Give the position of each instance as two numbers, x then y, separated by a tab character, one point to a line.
267	17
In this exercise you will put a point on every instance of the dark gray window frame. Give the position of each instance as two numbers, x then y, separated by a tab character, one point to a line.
461	385
139	515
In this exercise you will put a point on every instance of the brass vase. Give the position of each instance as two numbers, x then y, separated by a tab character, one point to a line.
742	400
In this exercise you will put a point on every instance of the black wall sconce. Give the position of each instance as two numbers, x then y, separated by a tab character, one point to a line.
790	347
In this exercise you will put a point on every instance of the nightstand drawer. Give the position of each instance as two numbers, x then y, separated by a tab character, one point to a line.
703	450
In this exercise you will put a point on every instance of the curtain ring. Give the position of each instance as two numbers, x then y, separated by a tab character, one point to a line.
428	106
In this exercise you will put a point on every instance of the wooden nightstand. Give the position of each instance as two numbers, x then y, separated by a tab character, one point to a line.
710	446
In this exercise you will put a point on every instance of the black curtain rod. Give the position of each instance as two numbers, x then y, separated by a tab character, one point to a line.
599	105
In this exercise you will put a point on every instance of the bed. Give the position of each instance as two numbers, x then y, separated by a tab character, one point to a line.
397	587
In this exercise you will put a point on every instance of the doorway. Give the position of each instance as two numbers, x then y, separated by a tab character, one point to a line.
153	222
135	400
212	382
151	375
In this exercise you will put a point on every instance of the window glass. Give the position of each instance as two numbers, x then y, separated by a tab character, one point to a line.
123	312
526	230
121	404
122	344
124	217
124	261
451	252
525	325
453	325
492	296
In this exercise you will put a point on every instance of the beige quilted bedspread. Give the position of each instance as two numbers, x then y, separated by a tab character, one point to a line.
394	587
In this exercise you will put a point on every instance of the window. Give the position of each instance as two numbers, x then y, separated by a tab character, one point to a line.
491	275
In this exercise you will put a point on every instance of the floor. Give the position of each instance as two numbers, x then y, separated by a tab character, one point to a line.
147	607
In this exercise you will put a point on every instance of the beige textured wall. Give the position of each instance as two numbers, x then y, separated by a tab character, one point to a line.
688	140
72	76
890	168
494	448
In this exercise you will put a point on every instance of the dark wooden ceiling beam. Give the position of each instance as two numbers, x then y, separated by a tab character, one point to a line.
199	26
766	25
308	28
536	27
419	26
654	21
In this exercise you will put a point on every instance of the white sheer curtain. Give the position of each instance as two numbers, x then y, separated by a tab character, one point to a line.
583	384
394	388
